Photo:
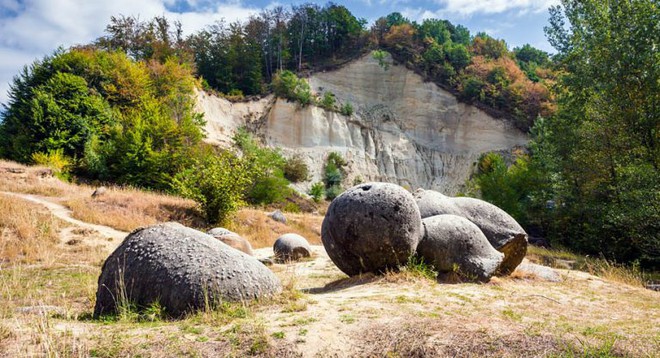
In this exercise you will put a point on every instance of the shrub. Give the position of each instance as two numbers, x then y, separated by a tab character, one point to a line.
287	85
295	169
333	175
380	56
328	101
346	109
333	192
217	183
55	160
317	191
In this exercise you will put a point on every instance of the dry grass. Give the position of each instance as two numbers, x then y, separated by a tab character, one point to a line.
28	233
127	209
262	231
36	180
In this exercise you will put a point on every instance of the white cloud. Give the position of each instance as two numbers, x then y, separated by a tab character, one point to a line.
469	7
34	28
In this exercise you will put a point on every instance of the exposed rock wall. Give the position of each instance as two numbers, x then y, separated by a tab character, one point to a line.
404	130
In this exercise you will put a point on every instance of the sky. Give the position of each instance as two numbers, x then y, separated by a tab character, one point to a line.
31	29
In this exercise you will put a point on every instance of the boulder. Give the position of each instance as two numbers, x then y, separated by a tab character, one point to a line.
278	216
232	239
371	227
182	269
100	191
291	247
454	244
501	230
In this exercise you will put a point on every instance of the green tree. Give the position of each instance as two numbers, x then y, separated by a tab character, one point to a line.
606	131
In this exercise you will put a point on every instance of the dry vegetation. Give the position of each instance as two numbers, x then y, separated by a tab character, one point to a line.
48	273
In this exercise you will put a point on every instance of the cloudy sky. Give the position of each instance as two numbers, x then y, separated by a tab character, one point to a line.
30	29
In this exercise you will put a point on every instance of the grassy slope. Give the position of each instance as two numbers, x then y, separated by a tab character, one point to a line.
48	273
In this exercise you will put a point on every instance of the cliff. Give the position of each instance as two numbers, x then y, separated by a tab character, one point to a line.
403	130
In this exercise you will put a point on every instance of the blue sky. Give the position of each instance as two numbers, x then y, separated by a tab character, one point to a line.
30	29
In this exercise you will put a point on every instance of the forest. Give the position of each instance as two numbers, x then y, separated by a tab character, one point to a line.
120	110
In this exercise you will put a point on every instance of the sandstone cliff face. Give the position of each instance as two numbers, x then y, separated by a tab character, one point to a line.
404	130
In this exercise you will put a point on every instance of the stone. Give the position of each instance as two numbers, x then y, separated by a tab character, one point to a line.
232	239
502	231
182	269
454	244
371	227
542	272
99	192
278	216
291	247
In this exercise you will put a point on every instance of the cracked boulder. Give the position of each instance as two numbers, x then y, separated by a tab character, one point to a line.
454	244
502	231
371	227
180	268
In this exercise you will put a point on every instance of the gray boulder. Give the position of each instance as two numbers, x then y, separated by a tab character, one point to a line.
291	247
100	191
501	230
182	269
371	227
278	216
232	239
454	244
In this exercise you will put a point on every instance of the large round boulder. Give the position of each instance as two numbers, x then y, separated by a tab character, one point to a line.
291	247
502	231
180	268
371	227
232	239
454	244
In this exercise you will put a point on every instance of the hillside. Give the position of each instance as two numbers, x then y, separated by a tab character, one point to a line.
403	130
51	264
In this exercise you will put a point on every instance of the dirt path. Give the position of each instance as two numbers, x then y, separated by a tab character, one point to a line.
109	237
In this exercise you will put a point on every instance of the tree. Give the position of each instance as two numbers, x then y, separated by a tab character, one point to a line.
607	127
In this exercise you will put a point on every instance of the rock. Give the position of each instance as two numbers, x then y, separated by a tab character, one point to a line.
454	244
278	216
182	269
232	239
501	230
371	227
543	272
99	192
291	247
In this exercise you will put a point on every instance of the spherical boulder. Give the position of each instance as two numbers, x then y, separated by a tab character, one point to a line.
454	244
232	239
371	227
180	268
502	231
278	216
291	247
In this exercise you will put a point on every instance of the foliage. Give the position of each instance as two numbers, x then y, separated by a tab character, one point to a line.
604	136
295	169
328	101
317	191
380	56
346	109
333	175
217	182
55	160
287	85
266	169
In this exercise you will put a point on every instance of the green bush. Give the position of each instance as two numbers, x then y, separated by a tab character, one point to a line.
333	175
328	101
380	56
287	85
317	191
217	183
333	192
346	109
295	169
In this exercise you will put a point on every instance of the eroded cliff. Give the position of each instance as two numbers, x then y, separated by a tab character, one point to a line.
404	130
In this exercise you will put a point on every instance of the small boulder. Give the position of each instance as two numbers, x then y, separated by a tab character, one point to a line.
454	244
371	227
232	239
542	272
182	269
502	231
100	191
291	247
278	216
